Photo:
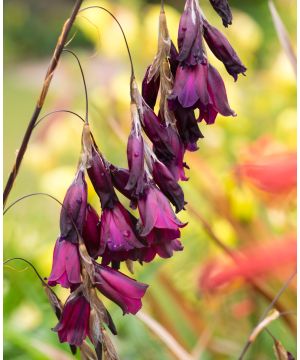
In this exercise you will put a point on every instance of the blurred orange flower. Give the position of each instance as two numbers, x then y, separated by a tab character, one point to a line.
253	262
269	168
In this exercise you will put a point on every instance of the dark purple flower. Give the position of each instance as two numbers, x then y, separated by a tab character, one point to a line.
73	210
190	35
150	89
222	49
66	265
91	233
121	289
187	127
223	9
218	102
175	164
120	178
173	59
157	132
117	232
201	87
99	174
168	185
73	326
135	156
157	214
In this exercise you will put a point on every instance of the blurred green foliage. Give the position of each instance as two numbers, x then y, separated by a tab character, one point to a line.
265	101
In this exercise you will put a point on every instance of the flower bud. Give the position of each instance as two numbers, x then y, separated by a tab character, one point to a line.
72	214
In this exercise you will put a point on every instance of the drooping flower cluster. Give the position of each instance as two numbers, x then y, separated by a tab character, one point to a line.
91	246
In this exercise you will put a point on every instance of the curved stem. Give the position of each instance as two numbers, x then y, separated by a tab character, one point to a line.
48	195
51	69
58	111
30	195
84	83
271	305
277	296
30	264
132	77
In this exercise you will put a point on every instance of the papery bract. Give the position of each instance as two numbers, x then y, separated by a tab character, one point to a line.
66	265
73	326
72	214
121	289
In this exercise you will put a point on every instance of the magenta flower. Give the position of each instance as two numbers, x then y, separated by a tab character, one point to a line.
120	179
66	265
168	185
190	35
222	49
159	246
165	249
121	289
99	174
150	89
201	87
223	9
157	215
117	232
91	233
73	210
190	87
135	156
73	326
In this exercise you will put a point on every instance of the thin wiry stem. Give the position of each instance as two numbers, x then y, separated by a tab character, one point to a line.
132	77
58	111
30	264
30	195
84	83
277	296
271	305
51	197
51	69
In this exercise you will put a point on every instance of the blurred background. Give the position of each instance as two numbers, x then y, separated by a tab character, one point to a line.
241	190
